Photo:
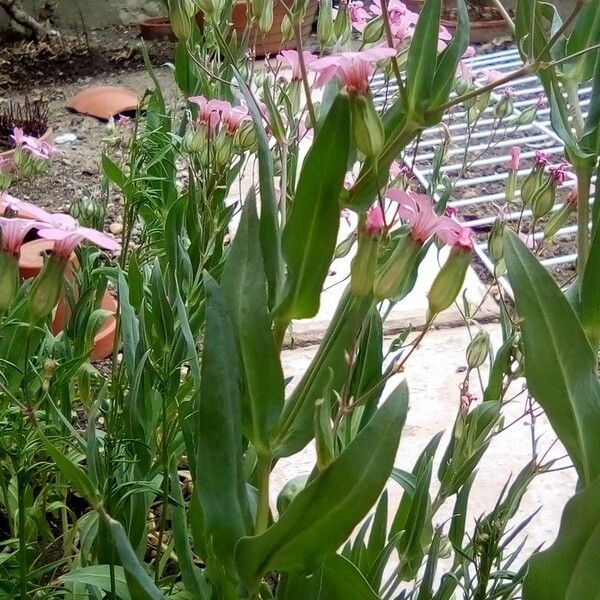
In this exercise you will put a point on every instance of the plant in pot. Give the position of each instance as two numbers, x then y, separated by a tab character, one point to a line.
487	17
264	25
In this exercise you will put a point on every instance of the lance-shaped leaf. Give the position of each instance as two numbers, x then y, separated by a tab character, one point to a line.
324	513
337	578
560	365
219	479
310	234
244	285
568	570
422	58
585	34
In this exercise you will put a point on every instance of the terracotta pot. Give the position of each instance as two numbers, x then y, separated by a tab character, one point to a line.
46	137
157	28
104	101
31	262
261	44
481	31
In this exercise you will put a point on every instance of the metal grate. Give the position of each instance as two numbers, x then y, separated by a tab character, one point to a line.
479	191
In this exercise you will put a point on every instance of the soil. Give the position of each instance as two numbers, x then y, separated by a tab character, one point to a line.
478	11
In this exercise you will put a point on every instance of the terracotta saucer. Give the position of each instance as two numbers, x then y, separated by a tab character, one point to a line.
104	102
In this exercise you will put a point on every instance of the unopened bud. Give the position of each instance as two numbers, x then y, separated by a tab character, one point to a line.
559	219
9	279
461	86
366	123
373	31
527	116
245	137
287	29
45	290
543	198
342	26
531	184
180	16
325	23
478	350
505	107
496	239
194	140
265	17
449	281
362	268
396	272
483	101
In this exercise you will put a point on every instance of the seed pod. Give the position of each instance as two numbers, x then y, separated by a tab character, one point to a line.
366	123
461	86
287	29
373	31
496	239
478	350
9	279
342	26
449	281
530	185
527	116
45	289
395	273
505	107
362	268
265	16
483	101
543	198
325	34
558	219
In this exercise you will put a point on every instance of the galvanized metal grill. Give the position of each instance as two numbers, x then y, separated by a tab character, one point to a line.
479	191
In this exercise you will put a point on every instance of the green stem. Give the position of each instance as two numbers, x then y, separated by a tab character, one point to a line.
262	509
509	22
573	96
23	568
305	82
584	180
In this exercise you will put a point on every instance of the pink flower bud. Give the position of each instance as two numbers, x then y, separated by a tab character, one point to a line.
515	158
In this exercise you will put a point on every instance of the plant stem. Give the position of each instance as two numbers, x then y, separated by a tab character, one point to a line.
584	180
390	42
509	22
22	535
563	27
305	82
262	509
573	96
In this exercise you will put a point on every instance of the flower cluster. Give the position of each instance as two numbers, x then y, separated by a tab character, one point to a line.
36	147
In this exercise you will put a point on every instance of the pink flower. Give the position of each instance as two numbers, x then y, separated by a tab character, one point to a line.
67	235
14	231
375	222
528	240
417	209
354	69
464	71
464	240
359	17
489	76
291	57
560	172
25	210
469	52
541	158
233	117
209	112
515	158
33	145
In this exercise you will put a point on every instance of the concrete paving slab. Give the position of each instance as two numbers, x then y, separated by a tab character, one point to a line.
434	374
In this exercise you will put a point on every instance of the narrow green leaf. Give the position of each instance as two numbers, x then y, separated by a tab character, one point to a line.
99	576
219	476
245	289
326	511
585	34
568	570
589	310
76	476
341	579
139	582
422	58
310	234
560	365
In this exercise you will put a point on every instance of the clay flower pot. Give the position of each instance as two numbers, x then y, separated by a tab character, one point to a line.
262	44
104	101
31	262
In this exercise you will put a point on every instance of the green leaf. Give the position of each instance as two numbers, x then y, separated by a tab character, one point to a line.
310	234
113	172
589	310
568	570
324	513
585	34
76	477
245	288
219	479
448	60
560	365
99	576
296	423
139	583
422	58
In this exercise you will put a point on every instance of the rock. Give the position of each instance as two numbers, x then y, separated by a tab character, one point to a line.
64	138
116	228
